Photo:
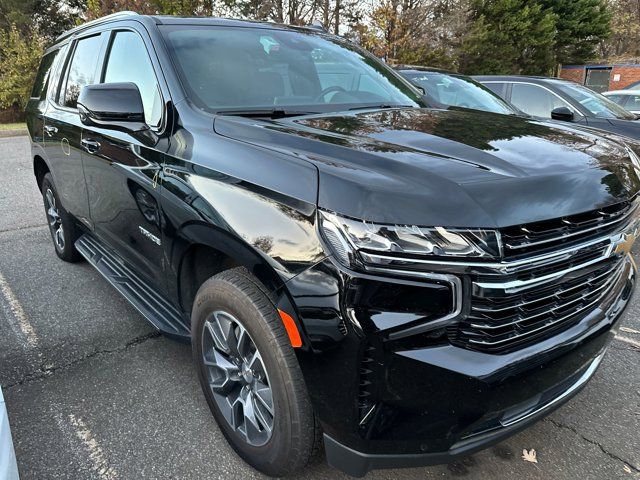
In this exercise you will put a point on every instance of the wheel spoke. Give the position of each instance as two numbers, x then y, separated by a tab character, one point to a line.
60	237
219	341
263	395
238	378
264	418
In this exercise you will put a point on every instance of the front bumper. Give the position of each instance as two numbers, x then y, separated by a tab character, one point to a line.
357	463
421	400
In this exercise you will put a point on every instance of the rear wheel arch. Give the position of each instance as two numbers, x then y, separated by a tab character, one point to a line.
40	169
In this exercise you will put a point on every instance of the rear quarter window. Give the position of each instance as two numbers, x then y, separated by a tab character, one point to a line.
42	77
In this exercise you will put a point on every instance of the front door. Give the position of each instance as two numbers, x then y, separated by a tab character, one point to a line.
122	170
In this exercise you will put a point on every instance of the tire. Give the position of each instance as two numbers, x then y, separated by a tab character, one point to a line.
294	436
62	227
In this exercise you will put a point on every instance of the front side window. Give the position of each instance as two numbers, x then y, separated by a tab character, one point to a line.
129	61
599	105
459	91
82	69
228	68
535	100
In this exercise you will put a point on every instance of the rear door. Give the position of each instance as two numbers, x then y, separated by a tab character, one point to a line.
62	128
122	170
37	104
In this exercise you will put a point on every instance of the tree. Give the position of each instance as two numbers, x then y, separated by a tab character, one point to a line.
49	17
509	37
581	25
624	41
19	59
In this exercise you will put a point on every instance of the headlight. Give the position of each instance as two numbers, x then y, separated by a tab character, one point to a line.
346	236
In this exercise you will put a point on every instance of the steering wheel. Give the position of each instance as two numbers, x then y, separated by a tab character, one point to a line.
328	90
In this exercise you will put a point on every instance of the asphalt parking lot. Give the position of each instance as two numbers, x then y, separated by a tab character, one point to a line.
93	392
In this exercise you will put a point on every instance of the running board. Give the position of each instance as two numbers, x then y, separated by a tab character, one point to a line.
151	304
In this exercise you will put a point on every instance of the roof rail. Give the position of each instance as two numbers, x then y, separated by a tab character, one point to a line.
317	25
124	13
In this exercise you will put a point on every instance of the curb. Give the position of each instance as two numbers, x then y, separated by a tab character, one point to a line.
14	133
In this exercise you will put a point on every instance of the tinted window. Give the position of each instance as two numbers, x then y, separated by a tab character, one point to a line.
459	91
226	68
633	103
127	50
82	69
596	103
42	77
535	100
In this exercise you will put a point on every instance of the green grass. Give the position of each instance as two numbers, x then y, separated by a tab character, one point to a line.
13	126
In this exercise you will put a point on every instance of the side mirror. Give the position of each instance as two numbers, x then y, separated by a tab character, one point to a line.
117	106
562	113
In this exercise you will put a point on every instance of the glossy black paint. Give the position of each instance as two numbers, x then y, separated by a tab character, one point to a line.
203	193
627	128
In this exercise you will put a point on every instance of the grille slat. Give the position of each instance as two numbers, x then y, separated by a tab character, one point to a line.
532	238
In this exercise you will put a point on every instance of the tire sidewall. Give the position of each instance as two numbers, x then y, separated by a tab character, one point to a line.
221	295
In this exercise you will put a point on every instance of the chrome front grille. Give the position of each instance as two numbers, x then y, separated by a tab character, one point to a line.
553	234
500	320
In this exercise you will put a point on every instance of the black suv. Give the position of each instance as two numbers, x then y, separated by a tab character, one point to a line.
400	283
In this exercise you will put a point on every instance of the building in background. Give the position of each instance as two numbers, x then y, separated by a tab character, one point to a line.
602	78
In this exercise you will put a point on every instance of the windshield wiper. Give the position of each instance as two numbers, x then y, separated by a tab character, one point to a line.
381	106
265	112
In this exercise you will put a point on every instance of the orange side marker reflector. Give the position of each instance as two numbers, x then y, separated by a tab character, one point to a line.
291	328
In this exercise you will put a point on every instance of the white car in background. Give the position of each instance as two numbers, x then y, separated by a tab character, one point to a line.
627	99
8	466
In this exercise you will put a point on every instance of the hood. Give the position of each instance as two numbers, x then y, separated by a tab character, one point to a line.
453	168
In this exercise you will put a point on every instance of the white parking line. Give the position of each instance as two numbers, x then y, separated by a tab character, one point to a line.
96	454
19	315
630	341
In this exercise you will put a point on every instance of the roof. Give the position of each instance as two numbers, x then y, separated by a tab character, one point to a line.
175	20
533	78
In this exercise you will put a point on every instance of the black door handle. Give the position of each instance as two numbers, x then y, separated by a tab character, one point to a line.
90	146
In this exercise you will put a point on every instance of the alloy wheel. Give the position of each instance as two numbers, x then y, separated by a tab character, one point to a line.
55	221
238	378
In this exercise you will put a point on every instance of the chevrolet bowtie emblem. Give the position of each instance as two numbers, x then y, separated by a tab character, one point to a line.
625	243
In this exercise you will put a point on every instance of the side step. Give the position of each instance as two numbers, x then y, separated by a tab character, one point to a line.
151	304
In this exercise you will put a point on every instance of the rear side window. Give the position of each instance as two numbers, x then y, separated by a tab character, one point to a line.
42	77
81	70
129	62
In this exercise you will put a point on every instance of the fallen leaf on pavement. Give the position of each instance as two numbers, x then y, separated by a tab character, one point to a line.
530	455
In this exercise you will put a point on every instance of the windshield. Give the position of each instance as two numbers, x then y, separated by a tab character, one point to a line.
597	104
459	91
230	68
